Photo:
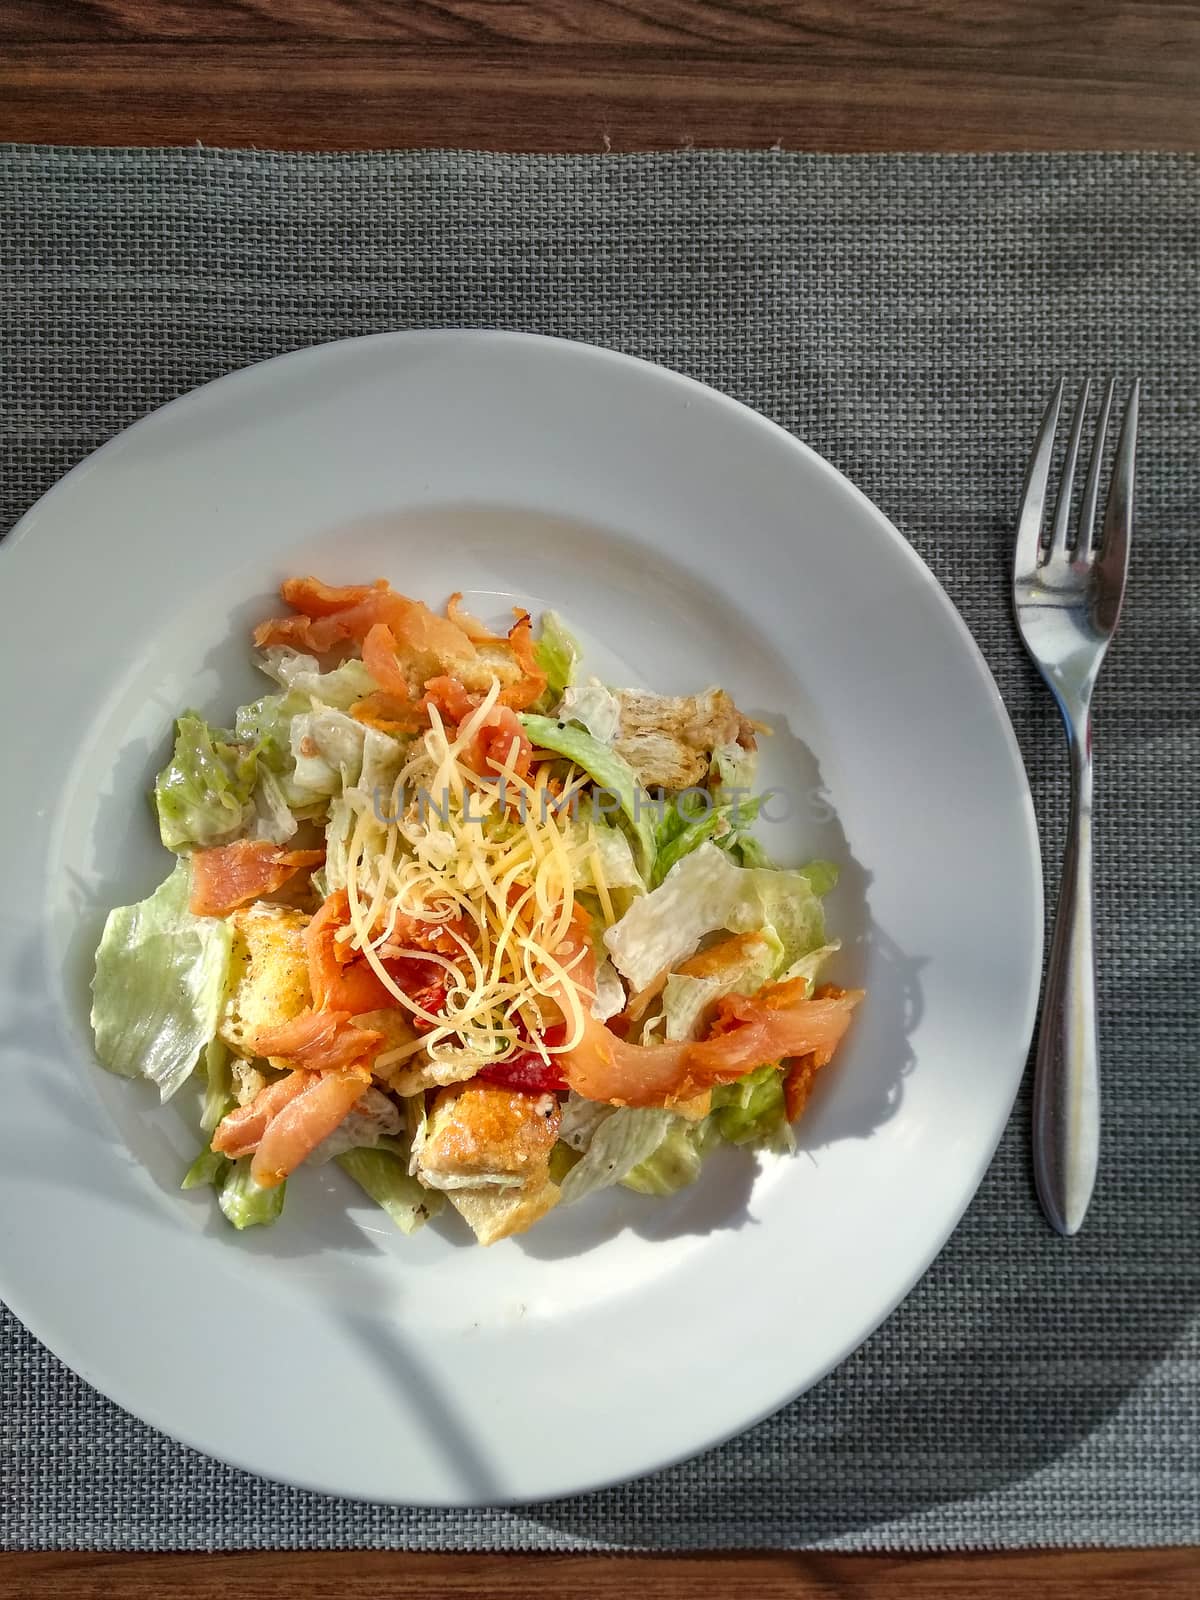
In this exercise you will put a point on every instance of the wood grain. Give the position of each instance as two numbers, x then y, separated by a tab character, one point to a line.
1094	1575
589	75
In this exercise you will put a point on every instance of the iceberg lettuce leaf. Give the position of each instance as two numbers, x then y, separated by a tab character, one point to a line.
752	1110
616	782
327	752
557	654
301	675
159	985
706	891
243	1202
594	708
673	1165
382	1172
203	794
621	1139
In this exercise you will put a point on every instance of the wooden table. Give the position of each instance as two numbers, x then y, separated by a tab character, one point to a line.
604	74
595	75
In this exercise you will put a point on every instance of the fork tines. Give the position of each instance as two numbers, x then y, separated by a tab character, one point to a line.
1039	545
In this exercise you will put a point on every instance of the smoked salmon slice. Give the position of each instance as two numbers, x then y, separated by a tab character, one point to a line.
238	1133
531	686
404	643
326	617
339	981
295	1132
231	875
749	1032
320	1041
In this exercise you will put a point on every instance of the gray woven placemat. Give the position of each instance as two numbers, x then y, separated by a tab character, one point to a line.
905	316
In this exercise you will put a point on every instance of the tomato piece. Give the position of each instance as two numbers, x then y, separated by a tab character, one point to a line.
425	984
528	1073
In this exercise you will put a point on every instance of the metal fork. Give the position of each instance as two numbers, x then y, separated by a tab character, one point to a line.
1067	596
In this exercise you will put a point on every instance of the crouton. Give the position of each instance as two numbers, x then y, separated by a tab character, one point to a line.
269	973
396	1027
494	1213
486	1134
668	740
488	1148
492	661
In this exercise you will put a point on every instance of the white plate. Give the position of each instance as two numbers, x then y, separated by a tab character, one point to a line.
691	542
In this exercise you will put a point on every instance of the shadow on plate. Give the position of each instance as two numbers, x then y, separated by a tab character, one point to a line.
444	1416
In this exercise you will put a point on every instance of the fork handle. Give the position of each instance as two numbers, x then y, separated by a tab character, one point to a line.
1066	1092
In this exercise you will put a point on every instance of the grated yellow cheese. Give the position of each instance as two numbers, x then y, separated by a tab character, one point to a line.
602	894
503	872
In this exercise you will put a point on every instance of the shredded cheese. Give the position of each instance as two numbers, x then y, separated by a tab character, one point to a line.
487	864
606	905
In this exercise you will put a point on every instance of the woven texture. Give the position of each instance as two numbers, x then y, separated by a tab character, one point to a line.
906	316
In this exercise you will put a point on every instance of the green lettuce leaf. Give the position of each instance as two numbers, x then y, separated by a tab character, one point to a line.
593	707
209	1168
383	1174
307	743
373	798
382	758
159	985
203	794
732	777
562	1159
327	751
557	654
732	773
822	876
611	773
706	891
797	917
672	1166
274	818
301	675
621	1139
752	1110
722	824
617	862
267	725
749	1112
343	815
750	852
808	967
243	1202
218	1093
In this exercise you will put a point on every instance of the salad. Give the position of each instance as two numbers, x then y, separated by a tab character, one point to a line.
475	928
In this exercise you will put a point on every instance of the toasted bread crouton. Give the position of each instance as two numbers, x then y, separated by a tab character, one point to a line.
488	1148
269	973
494	1213
396	1027
484	1134
668	740
494	660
